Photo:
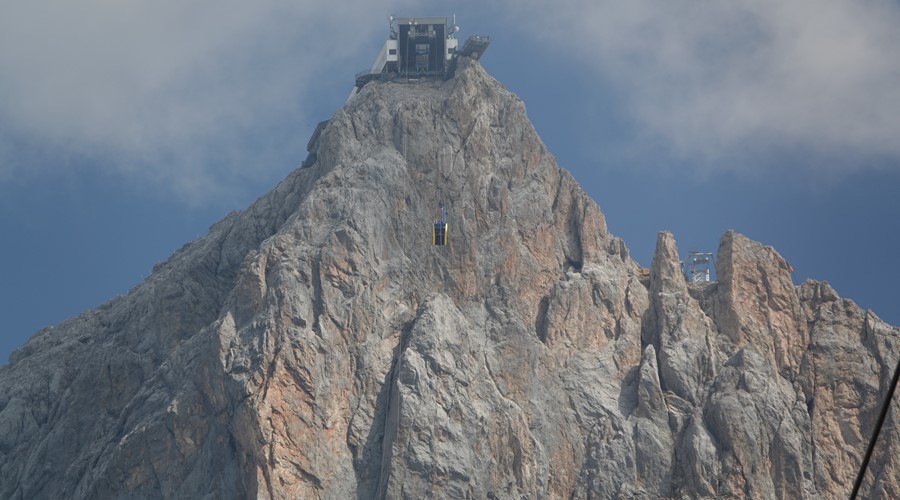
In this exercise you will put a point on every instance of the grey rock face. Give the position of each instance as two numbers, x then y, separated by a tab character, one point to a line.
316	345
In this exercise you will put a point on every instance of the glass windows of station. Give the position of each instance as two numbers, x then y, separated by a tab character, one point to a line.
422	49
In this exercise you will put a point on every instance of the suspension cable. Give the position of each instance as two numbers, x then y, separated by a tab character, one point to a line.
884	409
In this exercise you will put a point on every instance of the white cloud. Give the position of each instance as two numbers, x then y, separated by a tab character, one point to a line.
196	97
718	80
185	94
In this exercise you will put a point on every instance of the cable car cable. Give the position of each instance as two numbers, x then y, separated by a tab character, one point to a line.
884	409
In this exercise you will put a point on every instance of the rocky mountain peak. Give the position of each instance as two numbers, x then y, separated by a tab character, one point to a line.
317	345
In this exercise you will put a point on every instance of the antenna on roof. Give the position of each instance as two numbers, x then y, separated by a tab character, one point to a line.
391	30
454	28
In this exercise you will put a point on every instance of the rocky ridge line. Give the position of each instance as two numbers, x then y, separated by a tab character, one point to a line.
315	345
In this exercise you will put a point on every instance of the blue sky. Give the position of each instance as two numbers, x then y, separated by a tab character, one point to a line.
128	128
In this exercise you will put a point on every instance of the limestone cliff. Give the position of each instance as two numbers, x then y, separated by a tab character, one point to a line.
316	345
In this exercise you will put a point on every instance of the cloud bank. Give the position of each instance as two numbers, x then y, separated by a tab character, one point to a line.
716	80
196	98
192	96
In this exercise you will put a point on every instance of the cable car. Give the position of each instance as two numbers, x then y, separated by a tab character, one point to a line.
439	232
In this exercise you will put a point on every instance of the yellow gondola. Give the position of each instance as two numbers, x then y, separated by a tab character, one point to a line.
439	231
